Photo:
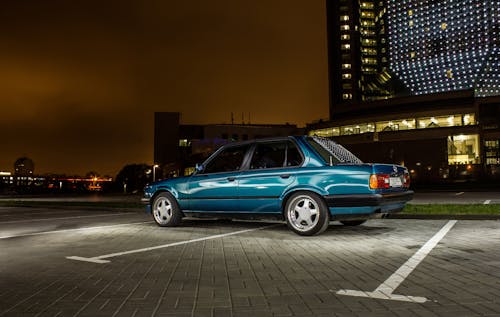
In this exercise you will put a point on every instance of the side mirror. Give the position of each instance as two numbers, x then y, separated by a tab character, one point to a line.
199	167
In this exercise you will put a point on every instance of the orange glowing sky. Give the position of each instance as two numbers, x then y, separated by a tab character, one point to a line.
80	81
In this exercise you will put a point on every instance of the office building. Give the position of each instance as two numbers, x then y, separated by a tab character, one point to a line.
416	82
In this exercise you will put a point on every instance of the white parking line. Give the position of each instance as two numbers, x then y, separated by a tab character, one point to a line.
67	230
460	193
99	259
62	218
386	289
487	202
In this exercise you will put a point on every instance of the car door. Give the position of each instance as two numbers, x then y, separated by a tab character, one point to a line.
271	169
215	188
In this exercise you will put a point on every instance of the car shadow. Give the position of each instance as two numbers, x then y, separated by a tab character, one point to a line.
279	229
365	229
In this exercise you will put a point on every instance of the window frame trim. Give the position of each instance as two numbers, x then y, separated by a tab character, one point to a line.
254	146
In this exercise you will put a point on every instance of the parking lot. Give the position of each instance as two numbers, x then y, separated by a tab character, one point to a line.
71	262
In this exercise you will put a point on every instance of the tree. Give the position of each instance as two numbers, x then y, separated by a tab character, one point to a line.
133	177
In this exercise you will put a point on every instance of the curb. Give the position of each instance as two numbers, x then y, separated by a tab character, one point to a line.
443	216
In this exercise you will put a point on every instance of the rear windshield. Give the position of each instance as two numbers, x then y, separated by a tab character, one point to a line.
332	152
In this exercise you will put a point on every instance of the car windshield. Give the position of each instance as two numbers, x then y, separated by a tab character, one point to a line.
332	152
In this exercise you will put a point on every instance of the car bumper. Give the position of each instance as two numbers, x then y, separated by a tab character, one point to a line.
369	200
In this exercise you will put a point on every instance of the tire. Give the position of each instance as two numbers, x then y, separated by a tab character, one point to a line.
353	222
165	210
306	213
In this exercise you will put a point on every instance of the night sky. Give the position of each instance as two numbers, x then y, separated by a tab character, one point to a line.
80	80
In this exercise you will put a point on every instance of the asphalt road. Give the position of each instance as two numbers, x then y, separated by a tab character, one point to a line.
57	262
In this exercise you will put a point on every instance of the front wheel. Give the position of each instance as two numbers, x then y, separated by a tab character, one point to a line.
306	214
166	211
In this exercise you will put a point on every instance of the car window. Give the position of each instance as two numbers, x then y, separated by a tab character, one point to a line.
293	156
325	155
332	152
230	159
275	154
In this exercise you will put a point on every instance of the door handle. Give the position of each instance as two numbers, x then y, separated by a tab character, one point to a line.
285	176
231	179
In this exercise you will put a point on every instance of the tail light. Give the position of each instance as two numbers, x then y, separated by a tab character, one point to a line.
407	180
379	181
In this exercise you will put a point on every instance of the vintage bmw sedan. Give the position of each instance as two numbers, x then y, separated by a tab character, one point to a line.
306	181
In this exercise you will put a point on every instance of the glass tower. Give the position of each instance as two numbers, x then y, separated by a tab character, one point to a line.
445	45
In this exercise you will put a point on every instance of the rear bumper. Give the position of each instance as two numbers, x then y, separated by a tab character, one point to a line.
369	200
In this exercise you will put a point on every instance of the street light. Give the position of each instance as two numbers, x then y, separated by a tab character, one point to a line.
154	169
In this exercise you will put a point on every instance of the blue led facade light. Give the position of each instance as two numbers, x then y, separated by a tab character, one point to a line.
445	45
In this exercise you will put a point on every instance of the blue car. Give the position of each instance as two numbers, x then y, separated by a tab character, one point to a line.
306	181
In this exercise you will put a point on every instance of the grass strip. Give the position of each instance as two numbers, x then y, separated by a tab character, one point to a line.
452	209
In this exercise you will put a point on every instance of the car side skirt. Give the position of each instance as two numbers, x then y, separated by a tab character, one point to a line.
235	215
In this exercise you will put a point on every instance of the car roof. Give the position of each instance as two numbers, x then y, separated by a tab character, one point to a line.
268	139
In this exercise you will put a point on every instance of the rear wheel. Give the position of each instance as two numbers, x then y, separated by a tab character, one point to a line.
166	211
306	213
352	222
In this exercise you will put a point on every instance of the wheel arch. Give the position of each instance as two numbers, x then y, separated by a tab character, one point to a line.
286	196
169	190
164	189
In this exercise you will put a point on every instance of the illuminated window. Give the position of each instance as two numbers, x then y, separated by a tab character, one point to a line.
344	27
492	152
346	76
345	37
367	14
326	133
184	143
410	12
369	51
410	23
449	73
369	60
346	46
346	66
367	5
443	26
189	170
412	54
369	70
344	18
469	119
369	42
346	96
463	149
441	121
357	129
395	125
367	32
401	124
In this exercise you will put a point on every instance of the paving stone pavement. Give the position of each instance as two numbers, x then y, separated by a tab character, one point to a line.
269	272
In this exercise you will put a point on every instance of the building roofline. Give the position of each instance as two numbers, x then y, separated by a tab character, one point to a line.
434	104
250	125
406	100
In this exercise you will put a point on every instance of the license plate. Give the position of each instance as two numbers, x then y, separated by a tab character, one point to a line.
395	182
